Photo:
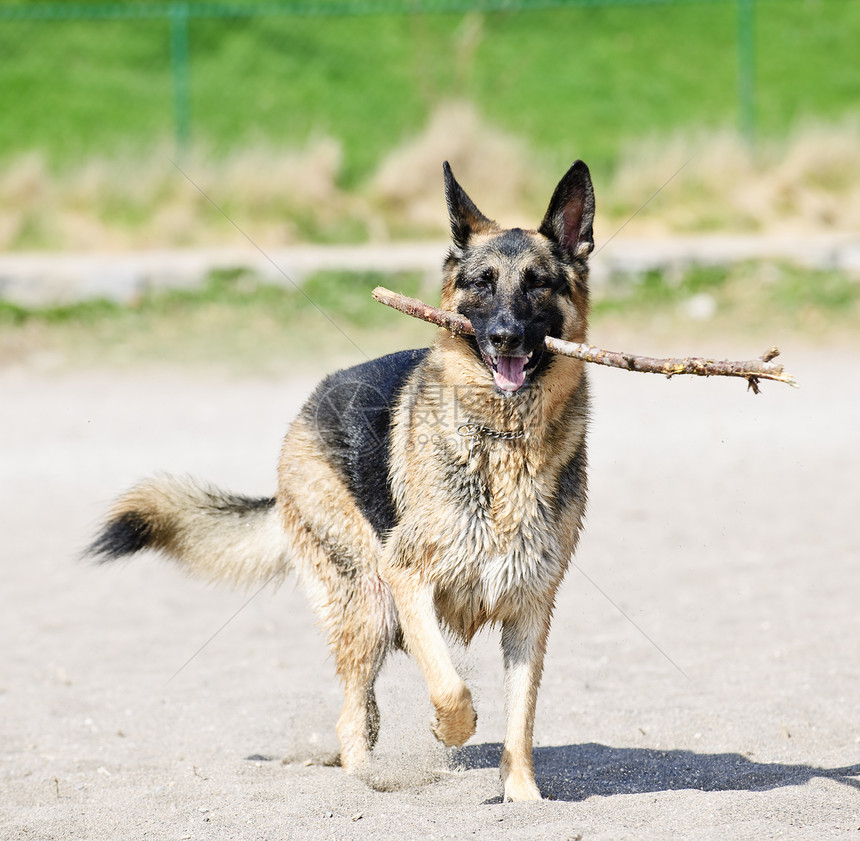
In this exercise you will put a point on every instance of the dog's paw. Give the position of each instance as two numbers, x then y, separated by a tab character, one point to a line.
456	719
355	760
518	789
354	748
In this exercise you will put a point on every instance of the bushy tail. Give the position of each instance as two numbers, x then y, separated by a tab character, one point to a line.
217	535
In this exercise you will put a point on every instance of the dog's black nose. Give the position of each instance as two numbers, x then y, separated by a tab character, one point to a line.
506	337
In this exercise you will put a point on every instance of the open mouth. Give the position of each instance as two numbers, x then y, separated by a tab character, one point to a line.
510	372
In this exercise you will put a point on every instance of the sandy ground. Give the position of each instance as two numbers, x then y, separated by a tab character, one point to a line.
703	677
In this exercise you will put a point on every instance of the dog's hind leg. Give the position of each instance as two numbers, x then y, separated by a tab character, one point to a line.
336	562
357	612
523	646
360	637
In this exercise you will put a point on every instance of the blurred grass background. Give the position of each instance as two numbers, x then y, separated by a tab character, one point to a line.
571	81
236	325
332	127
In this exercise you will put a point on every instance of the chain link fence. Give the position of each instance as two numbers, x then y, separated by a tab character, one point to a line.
327	121
79	79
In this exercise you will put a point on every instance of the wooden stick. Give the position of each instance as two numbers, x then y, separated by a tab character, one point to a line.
752	370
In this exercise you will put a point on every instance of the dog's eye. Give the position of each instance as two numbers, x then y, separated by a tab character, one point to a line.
484	281
535	281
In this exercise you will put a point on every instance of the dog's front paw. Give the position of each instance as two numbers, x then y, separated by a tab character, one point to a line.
521	788
456	718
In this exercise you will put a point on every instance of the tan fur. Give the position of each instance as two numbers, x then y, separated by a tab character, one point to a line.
500	566
238	552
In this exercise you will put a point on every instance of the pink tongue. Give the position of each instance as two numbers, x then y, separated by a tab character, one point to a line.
510	373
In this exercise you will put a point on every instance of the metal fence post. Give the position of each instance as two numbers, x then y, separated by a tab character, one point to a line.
179	65
746	68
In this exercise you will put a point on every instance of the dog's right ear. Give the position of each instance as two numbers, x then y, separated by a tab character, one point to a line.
466	219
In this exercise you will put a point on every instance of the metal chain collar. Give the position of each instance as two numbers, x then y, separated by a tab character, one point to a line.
471	430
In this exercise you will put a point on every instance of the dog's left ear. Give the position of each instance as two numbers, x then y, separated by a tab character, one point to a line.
466	219
569	219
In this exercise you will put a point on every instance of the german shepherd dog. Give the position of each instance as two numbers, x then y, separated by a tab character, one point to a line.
428	490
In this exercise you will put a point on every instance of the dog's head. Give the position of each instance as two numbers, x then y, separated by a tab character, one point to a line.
518	286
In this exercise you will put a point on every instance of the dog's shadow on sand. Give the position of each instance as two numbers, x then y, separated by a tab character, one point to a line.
575	772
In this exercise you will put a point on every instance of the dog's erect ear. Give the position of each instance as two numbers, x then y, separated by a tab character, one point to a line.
569	220
466	219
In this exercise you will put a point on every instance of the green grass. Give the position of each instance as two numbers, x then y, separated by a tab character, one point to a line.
342	297
782	288
574	82
748	298
234	323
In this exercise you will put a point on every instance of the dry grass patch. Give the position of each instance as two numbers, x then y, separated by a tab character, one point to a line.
806	183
